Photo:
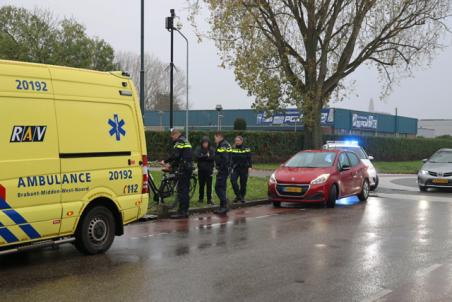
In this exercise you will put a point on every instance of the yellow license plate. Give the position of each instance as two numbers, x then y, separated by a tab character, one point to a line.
440	181
293	190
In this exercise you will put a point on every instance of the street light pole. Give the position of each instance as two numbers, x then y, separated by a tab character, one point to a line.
142	95
187	83
219	108
170	27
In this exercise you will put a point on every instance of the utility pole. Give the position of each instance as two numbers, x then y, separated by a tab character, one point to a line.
170	27
186	82
396	121
142	95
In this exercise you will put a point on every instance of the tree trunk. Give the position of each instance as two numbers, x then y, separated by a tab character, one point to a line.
312	127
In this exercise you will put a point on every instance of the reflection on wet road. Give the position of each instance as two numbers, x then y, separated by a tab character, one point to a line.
388	249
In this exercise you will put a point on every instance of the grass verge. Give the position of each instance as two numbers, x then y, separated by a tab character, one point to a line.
398	167
256	190
266	166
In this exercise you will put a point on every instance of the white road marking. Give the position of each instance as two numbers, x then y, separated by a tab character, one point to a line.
384	292
264	216
378	295
418	197
386	182
428	270
213	225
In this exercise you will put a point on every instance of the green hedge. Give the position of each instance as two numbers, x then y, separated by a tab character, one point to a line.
279	146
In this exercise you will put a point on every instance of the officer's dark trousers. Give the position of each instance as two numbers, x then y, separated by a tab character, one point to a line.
221	186
205	182
239	175
183	191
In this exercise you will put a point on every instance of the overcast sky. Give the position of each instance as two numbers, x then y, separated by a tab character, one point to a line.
427	95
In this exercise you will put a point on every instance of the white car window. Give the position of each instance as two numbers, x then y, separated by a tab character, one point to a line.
354	160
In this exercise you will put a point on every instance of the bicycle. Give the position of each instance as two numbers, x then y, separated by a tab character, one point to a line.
168	188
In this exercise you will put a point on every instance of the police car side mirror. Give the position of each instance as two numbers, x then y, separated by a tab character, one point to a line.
371	158
425	160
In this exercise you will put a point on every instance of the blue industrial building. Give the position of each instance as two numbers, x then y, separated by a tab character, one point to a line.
334	121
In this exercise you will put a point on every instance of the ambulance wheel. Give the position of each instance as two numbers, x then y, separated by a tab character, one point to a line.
96	231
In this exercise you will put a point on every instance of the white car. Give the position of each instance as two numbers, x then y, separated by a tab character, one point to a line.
358	150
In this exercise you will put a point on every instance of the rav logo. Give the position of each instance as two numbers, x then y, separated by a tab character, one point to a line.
27	134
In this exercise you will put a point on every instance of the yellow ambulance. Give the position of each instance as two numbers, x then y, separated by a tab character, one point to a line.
73	165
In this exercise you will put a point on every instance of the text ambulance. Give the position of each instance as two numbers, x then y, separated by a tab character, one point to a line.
72	157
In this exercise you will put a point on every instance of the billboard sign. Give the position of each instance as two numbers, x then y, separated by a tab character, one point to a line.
364	121
292	117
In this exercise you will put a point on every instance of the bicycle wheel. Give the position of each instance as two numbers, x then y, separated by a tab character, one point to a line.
167	189
153	190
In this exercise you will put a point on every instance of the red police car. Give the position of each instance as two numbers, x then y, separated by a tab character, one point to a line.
319	176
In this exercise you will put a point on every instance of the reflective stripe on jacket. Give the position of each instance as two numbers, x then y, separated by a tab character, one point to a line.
241	157
223	155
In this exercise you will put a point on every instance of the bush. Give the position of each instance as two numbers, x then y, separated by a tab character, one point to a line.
446	136
275	146
240	124
266	146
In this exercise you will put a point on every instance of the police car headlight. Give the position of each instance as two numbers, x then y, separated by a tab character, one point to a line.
273	178
321	179
423	172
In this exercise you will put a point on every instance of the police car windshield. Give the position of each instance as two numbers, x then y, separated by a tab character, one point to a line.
311	160
357	150
441	157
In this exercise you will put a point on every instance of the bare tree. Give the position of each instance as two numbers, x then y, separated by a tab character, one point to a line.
157	83
299	52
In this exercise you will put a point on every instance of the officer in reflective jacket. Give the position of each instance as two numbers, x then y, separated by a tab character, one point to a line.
181	161
223	165
241	163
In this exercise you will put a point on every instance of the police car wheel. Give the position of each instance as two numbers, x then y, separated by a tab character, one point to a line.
364	191
96	231
375	186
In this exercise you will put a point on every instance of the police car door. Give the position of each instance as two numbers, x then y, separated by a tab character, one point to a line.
30	207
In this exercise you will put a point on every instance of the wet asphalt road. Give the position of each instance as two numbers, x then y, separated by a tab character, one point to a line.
395	247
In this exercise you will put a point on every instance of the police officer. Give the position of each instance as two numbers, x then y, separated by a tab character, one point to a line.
181	161
241	163
223	164
205	156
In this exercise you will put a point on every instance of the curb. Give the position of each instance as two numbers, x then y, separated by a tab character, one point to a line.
232	206
163	212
